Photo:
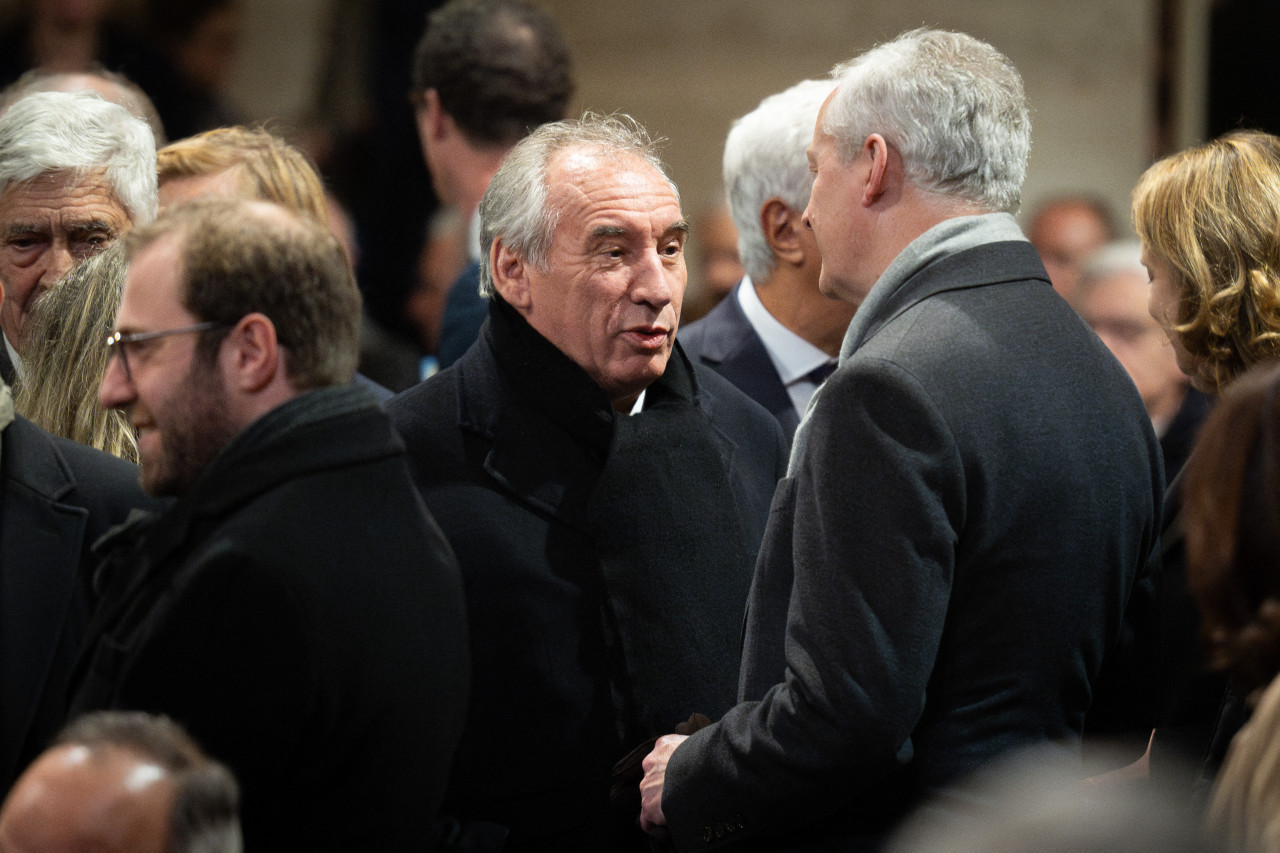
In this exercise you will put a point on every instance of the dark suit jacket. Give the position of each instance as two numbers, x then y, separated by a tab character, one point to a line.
606	562
464	313
56	498
725	341
7	373
301	615
968	505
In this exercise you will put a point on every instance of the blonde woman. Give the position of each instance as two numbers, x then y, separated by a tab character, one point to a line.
66	357
1209	221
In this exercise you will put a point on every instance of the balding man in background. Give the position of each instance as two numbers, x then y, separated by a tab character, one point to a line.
1066	230
122	782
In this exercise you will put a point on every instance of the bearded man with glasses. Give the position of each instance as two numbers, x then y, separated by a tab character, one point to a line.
296	608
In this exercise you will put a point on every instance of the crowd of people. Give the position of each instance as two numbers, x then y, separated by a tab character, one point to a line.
922	499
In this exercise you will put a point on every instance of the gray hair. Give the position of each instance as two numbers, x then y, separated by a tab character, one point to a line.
206	802
80	132
1115	258
515	205
952	106
764	158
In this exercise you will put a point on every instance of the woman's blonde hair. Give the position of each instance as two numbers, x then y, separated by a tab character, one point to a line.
65	357
1212	213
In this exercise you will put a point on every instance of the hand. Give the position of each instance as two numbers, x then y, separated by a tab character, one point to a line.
655	776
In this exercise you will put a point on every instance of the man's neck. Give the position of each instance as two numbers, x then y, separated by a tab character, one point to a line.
477	167
791	295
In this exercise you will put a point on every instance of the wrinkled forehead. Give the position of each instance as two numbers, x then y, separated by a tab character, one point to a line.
63	188
597	164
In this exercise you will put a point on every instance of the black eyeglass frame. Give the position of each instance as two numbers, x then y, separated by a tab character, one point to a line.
117	342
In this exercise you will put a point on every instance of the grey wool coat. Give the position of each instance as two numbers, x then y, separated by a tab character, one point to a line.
968	504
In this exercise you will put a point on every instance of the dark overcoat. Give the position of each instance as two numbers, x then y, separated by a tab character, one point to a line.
301	615
968	505
56	499
606	562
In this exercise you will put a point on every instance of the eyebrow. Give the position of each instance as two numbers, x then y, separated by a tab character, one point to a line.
609	231
22	229
680	227
91	225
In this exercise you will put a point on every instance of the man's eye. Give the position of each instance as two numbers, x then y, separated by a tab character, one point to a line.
91	244
672	249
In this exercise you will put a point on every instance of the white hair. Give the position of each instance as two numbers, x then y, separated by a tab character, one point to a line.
80	132
951	105
515	206
764	158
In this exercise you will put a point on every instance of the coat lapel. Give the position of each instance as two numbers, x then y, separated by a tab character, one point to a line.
41	539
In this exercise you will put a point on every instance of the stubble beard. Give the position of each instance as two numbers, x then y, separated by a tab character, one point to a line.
198	429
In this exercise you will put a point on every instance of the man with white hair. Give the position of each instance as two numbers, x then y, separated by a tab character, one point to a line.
76	172
604	496
968	503
776	336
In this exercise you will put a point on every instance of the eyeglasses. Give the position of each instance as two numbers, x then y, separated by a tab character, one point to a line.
119	343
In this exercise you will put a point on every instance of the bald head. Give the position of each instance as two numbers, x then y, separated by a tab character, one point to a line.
78	799
1066	231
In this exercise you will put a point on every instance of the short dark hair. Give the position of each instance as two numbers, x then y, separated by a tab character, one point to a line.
240	256
206	802
500	68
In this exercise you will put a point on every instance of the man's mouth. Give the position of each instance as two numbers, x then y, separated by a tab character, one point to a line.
648	337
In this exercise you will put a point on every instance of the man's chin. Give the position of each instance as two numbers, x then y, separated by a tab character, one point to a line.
156	482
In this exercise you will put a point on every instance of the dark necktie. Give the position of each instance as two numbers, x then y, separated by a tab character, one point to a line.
820	373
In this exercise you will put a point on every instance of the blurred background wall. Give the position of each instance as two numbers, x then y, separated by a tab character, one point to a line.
687	68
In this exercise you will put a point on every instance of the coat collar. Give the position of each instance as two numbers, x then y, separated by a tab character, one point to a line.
518	392
310	433
957	254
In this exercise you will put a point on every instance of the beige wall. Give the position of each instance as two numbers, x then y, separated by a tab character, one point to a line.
687	68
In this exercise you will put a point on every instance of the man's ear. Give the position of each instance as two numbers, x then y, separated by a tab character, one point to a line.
510	273
877	182
781	227
431	117
255	356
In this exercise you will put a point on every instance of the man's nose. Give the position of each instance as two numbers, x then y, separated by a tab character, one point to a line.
116	390
60	263
658	280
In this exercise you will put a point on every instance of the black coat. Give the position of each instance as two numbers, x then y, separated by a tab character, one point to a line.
300	613
606	561
56	498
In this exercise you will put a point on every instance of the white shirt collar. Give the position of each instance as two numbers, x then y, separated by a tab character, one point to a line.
14	358
792	356
473	236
